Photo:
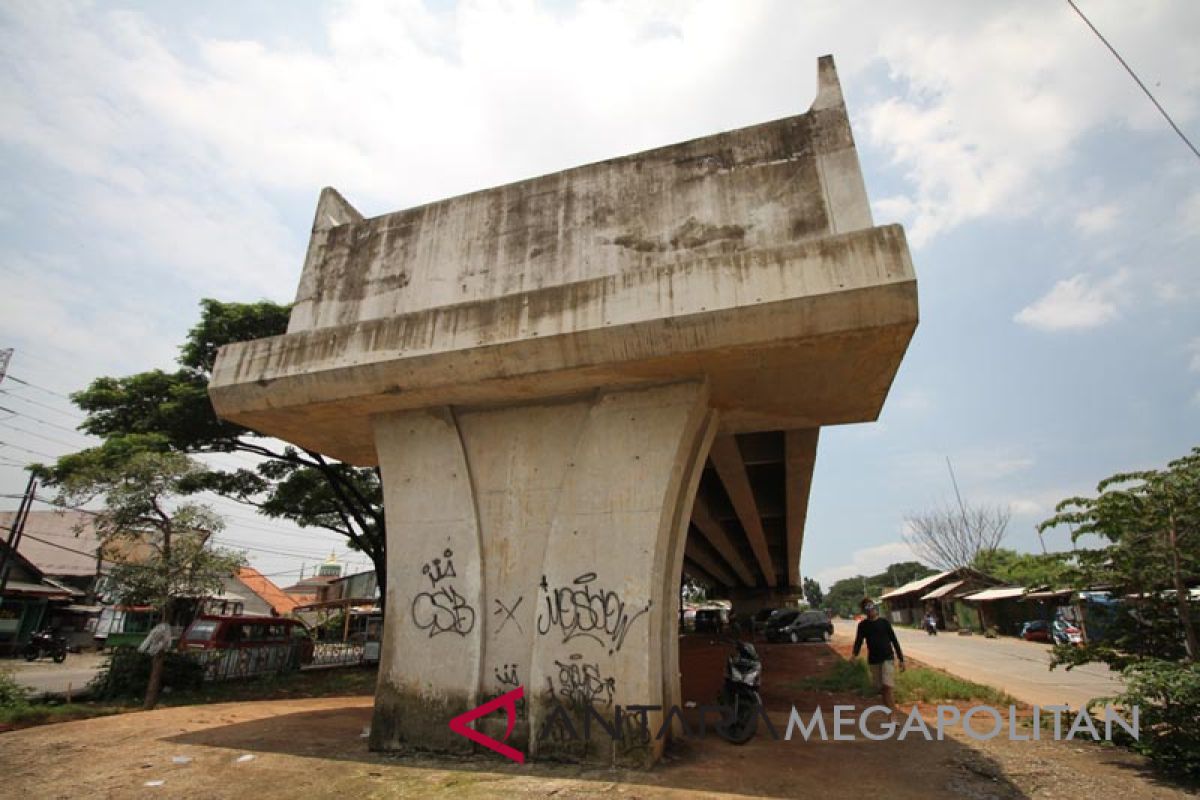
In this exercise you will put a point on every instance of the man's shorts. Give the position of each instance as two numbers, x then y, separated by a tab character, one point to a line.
884	674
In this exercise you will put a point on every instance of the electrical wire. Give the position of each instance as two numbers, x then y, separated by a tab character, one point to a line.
42	421
1136	79
8	424
25	399
26	450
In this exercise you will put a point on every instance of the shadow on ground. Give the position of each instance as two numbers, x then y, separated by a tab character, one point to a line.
763	768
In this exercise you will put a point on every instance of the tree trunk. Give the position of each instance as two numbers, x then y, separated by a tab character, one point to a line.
1182	600
154	688
380	564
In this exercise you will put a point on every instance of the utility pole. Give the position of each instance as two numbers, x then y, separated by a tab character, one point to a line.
962	508
5	357
14	535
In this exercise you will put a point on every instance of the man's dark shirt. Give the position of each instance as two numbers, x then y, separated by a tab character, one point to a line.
880	640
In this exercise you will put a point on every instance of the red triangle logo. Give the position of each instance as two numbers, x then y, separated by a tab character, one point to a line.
507	701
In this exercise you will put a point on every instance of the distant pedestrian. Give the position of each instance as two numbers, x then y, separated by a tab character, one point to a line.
883	651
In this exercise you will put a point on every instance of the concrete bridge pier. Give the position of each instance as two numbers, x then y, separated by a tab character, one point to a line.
576	388
540	546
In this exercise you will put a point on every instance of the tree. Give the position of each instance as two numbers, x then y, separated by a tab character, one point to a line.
813	593
845	595
692	591
159	411
1151	522
1151	519
951	539
1027	569
180	564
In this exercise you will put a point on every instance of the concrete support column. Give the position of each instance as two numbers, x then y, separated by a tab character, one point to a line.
540	546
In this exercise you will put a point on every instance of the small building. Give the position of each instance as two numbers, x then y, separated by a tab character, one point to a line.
940	594
1004	608
31	601
313	588
274	601
347	608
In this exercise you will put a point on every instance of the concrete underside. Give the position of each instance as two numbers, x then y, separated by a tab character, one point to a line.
576	387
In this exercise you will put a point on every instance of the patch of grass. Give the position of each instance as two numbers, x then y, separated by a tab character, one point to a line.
921	684
849	677
30	714
916	684
309	683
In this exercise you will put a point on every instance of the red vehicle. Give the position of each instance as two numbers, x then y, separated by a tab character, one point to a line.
249	645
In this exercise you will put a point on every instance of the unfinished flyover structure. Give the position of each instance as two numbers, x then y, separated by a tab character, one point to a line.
576	388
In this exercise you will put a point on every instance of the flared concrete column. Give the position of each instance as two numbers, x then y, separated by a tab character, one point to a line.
537	546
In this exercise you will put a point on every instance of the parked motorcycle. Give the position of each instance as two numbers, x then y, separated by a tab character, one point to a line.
739	693
46	643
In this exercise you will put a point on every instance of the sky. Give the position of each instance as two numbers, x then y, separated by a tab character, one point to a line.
154	154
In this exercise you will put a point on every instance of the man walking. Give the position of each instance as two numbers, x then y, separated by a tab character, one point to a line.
881	641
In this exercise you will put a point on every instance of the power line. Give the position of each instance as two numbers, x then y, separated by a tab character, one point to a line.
227	542
14	378
43	422
26	450
1136	79
25	399
7	424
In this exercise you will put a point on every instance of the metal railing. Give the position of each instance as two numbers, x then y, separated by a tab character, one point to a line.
246	662
336	654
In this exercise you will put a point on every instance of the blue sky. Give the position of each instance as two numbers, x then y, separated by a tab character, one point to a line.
154	154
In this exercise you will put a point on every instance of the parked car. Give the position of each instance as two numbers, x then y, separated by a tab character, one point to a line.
248	633
1037	630
758	623
796	626
1066	633
1057	632
711	620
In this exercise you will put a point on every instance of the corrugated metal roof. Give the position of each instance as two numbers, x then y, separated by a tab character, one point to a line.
1001	593
916	585
942	591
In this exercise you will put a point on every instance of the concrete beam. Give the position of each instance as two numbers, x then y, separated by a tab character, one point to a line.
800	457
728	462
708	564
715	533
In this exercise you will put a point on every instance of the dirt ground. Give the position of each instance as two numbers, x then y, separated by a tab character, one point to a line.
315	748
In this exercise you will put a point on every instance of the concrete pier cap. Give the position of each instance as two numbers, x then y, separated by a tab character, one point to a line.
574	386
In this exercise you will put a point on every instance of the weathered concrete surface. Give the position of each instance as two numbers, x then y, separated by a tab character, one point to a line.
576	514
540	369
745	258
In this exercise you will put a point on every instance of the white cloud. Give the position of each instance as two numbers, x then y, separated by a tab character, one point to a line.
997	103
1074	304
912	400
1097	219
866	561
1194	349
972	468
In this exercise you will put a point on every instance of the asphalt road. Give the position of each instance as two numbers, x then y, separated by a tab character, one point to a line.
1018	667
46	677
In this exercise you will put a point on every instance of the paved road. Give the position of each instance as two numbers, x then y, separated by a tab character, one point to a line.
1018	667
46	677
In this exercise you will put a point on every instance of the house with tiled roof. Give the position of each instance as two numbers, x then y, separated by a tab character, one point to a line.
279	602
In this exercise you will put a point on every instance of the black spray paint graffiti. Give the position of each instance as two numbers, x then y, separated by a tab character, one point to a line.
581	685
581	610
508	614
508	676
442	609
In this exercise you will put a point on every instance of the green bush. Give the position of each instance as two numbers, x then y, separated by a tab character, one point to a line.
1168	696
12	694
127	672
